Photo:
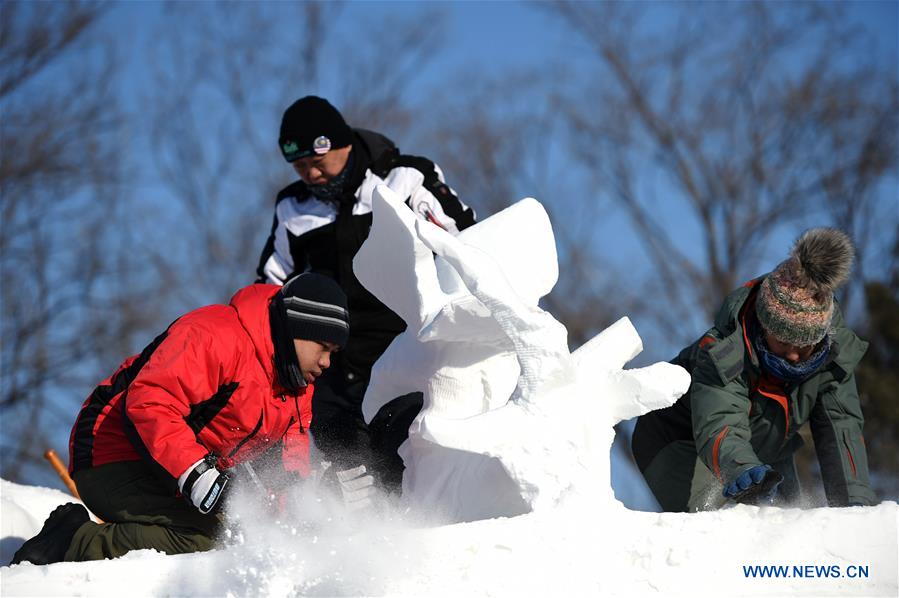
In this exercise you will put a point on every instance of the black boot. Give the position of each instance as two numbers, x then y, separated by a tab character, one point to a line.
52	542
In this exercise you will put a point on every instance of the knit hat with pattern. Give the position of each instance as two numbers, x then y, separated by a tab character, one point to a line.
795	301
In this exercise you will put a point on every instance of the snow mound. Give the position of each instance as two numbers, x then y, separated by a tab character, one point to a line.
562	552
512	420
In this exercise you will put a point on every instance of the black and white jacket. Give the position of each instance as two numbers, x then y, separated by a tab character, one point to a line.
311	235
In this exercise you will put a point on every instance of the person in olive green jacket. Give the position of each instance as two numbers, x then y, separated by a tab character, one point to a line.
778	356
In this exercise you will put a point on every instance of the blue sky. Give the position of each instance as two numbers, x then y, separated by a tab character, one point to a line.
500	34
485	39
486	35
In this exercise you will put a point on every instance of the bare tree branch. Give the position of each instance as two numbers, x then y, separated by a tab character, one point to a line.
754	144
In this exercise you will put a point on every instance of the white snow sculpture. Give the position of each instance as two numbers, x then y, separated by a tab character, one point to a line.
511	420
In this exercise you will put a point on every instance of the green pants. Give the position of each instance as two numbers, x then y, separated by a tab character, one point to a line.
138	512
681	482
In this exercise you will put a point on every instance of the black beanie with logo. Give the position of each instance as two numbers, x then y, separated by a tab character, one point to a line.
312	126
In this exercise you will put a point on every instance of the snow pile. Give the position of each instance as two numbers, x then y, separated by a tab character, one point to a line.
512	421
573	551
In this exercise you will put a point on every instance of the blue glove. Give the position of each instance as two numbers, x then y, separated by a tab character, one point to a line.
756	484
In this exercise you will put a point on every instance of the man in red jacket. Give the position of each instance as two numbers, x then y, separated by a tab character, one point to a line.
154	446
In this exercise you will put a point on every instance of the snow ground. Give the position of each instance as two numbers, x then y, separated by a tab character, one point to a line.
575	551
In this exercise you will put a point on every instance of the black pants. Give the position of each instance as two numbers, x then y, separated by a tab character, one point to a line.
138	512
340	432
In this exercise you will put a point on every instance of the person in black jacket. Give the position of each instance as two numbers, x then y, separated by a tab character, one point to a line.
320	223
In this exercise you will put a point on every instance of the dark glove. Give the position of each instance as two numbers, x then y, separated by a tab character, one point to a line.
756	485
204	485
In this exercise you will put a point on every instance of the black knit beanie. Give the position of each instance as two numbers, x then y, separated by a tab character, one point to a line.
310	307
311	126
316	309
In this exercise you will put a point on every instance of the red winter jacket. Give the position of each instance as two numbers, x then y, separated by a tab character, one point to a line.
205	384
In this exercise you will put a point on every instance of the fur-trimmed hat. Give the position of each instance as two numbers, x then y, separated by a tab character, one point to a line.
795	302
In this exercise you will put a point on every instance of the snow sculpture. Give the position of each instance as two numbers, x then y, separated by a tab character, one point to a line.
512	421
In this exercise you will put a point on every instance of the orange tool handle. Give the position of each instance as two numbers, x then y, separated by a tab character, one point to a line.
61	470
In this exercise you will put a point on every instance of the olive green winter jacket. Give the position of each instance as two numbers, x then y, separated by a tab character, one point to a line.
742	417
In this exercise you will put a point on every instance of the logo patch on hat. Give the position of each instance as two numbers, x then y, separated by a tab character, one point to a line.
321	145
290	147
